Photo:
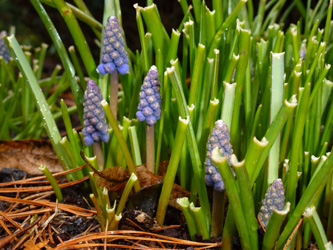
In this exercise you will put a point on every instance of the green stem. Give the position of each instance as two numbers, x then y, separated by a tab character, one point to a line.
234	200
271	135
172	170
78	37
228	103
70	72
81	15
191	140
41	59
200	221
69	130
110	213
327	23
246	199
135	146
316	185
244	46
301	115
154	24
198	65
52	181
276	103
311	216
273	227
144	48
163	117
133	179
51	127
224	27
121	142
184	205
98	210
214	90
115	222
77	66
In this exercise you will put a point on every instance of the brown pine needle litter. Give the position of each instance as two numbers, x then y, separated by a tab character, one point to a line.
31	221
131	236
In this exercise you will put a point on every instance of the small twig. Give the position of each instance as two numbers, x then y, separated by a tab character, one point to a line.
136	225
261	225
101	174
165	228
27	181
292	234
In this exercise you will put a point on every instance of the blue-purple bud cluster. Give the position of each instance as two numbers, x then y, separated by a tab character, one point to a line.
114	56
149	107
274	200
220	138
95	128
4	52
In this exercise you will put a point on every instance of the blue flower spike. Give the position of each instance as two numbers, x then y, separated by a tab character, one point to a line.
94	122
114	56
149	107
220	138
274	200
4	52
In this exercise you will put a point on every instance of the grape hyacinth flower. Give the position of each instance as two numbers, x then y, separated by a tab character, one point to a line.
114	59
95	127
220	138
274	200
149	110
149	107
114	55
4	52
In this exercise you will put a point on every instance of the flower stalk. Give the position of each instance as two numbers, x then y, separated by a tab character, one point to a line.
149	110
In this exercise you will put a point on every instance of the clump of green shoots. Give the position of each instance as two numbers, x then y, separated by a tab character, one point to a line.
270	83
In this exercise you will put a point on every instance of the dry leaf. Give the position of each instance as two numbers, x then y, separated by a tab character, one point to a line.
115	179
28	155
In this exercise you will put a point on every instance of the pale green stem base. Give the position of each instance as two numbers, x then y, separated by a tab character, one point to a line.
98	210
218	213
115	222
150	148
114	93
98	151
126	193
